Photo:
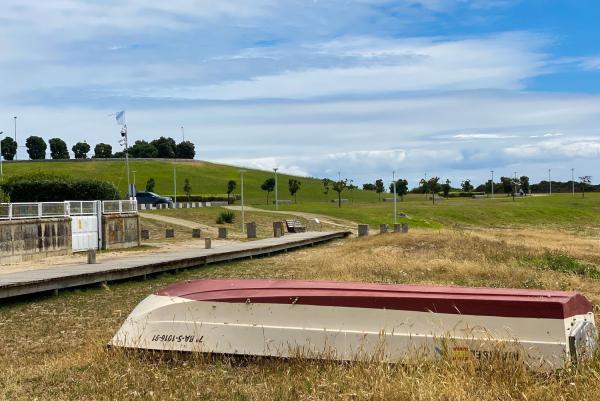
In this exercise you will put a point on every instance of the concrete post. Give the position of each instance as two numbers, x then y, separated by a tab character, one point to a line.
397	228
91	256
196	232
145	234
383	229
169	233
207	243
222	232
363	230
277	229
404	227
251	229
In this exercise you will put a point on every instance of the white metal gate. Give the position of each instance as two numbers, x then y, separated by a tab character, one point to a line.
84	231
84	225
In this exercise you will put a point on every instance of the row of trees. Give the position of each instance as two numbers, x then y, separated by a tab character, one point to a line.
162	147
268	186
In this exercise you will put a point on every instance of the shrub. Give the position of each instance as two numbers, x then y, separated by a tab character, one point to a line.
41	187
226	217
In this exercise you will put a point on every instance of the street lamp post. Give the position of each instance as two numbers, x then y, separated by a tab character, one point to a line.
1	171
126	143
182	134
395	197
492	171
549	182
17	150
573	180
276	197
243	217
174	185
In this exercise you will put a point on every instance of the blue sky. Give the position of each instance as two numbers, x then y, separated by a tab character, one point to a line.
453	88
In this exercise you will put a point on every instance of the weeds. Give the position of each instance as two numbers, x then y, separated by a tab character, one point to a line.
54	348
561	262
226	217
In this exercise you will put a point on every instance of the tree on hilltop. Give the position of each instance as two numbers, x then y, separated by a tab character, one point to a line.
80	150
36	147
58	149
103	151
165	147
9	148
185	150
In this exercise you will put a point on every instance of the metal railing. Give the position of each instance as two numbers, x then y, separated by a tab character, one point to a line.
35	210
119	206
83	208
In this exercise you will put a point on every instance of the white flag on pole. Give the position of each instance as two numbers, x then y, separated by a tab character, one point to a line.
120	117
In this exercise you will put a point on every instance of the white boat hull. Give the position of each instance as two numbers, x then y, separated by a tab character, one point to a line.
171	323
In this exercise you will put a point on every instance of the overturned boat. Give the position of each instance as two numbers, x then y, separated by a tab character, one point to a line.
351	321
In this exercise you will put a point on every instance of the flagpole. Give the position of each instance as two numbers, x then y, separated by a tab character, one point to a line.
127	162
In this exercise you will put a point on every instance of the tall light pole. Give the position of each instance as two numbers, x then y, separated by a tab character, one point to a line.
243	217
395	197
573	180
550	181
17	150
492	171
174	184
1	171
182	134
276	201
126	143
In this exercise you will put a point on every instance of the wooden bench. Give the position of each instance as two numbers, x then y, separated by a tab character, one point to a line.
294	226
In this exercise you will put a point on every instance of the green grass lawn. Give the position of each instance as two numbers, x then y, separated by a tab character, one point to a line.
205	178
560	209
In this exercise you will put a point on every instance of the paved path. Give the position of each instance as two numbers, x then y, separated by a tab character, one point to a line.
178	222
68	276
342	223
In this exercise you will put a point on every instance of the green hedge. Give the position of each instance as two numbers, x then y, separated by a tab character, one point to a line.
43	187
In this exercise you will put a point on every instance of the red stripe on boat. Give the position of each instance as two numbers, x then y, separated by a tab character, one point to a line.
453	300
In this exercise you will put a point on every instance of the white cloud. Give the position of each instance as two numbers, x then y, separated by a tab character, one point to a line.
483	136
499	61
575	147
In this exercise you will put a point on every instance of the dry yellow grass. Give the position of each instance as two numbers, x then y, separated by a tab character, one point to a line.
54	348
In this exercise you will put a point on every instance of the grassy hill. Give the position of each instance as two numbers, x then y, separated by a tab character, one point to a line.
205	177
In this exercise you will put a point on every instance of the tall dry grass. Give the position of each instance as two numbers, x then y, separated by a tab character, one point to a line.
54	348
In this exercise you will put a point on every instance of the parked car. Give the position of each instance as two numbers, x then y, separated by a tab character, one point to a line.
150	198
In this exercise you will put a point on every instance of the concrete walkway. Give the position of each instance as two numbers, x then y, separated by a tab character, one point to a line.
69	276
341	223
178	222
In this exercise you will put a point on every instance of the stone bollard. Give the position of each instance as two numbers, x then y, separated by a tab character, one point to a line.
277	229
169	233
251	229
196	232
145	234
363	230
404	227
222	232
383	229
207	243
91	256
397	228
